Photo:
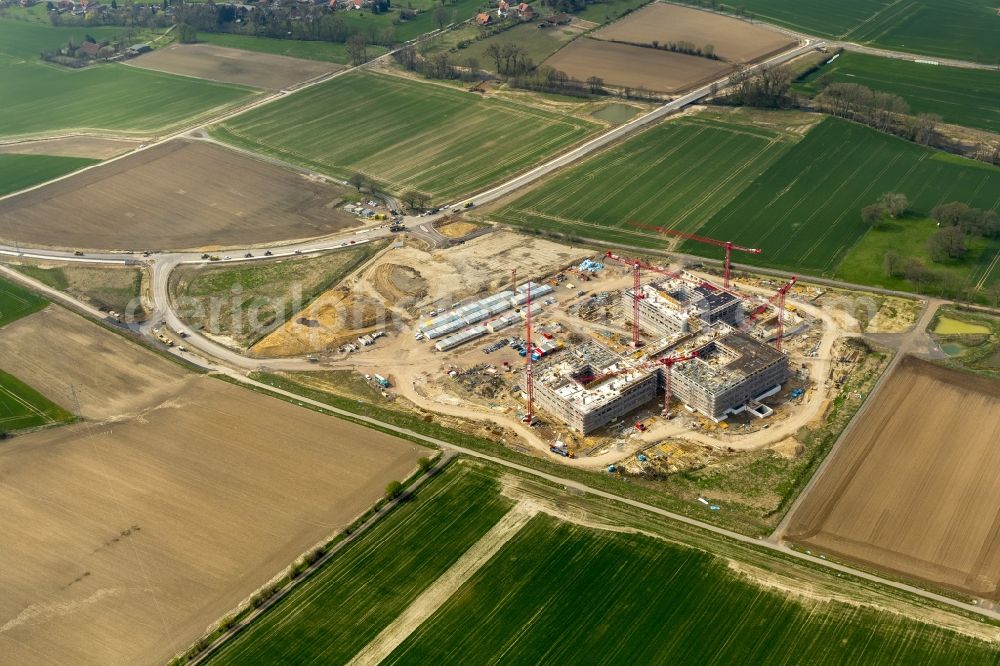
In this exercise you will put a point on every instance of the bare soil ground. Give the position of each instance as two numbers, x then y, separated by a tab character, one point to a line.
107	376
182	194
218	63
734	40
625	65
125	540
458	229
72	146
405	282
914	489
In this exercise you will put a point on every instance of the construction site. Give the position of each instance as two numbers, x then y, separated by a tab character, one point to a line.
596	356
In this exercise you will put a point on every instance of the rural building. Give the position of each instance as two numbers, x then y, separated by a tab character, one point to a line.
484	19
589	386
670	306
90	49
525	12
732	372
136	49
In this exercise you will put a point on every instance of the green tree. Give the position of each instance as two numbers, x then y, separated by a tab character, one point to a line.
393	490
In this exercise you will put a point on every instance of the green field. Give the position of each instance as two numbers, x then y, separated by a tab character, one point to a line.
23	407
295	48
572	594
969	97
404	31
797	198
20	171
20	405
43	98
563	593
677	174
961	29
805	210
17	302
405	134
345	605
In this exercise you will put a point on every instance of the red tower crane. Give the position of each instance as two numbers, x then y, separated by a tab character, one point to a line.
529	379
636	298
668	363
778	296
729	245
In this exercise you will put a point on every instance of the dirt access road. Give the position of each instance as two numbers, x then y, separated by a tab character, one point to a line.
126	537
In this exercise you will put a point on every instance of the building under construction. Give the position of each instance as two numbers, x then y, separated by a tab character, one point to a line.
731	373
589	386
671	306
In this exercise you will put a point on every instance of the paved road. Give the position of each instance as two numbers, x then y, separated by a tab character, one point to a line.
622	131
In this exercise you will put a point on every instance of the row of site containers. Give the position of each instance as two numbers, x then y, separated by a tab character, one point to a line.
503	322
489	304
461	338
523	288
523	297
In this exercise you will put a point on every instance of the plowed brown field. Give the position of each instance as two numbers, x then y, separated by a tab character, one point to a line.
182	194
914	487
626	65
734	40
249	68
124	540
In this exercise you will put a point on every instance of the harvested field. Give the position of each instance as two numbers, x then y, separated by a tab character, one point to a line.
93	147
182	194
124	541
913	489
63	358
734	40
218	63
629	66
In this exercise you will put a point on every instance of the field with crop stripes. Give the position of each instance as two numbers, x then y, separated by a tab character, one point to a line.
23	407
677	174
39	98
805	210
564	594
20	171
405	134
961	29
969	97
345	605
17	302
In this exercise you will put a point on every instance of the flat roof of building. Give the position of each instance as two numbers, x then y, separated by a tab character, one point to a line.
726	361
570	375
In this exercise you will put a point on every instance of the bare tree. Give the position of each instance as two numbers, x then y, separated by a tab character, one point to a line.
440	17
357	49
894	203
